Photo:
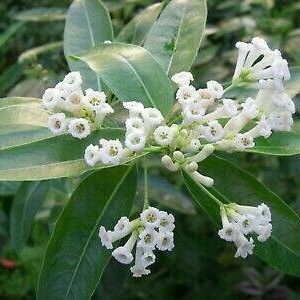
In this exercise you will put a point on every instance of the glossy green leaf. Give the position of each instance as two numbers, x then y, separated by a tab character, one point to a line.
137	29
132	74
41	14
293	85
27	202
282	250
87	25
279	143
74	259
175	37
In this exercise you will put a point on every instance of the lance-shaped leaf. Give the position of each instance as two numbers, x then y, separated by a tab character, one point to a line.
74	259
282	249
132	74
279	143
26	101
41	14
87	24
175	37
26	204
137	29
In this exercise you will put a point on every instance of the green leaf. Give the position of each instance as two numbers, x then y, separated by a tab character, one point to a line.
175	37
41	14
132	74
293	85
27	202
137	29
9	188
74	259
282	250
9	77
87	25
9	33
279	143
26	101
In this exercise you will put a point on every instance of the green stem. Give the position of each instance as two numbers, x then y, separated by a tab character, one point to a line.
146	198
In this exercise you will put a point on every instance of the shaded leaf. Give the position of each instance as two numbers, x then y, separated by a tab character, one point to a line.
41	14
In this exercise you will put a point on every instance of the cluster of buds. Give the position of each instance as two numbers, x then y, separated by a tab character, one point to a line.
75	110
239	221
152	230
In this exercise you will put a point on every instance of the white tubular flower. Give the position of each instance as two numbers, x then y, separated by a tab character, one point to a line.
178	156
281	121
245	247
57	123
164	135
190	167
165	241
260	47
267	60
243	141
138	270
152	117
215	88
262	128
107	237
93	99
206	151
92	155
226	145
169	164
243	50
229	232
264	214
79	128
134	108
193	145
111	152
166	221
102	111
123	226
123	254
263	232
279	69
72	81
183	78
148	259
213	132
51	98
60	87
249	110
193	112
150	217
247	223
74	101
227	110
186	95
205	180
206	98
133	124
148	239
135	140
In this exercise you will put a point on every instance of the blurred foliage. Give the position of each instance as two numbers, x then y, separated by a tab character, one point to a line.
201	266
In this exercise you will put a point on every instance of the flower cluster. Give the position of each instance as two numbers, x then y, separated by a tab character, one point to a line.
239	221
75	111
152	230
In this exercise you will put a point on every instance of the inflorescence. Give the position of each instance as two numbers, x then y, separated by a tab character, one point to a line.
201	122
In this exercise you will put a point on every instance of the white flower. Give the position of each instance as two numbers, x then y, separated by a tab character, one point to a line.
79	128
123	254
51	98
215	88
107	237
123	226
264	214
57	123
243	141
138	270
111	152
245	246
213	132
135	108
186	95
150	217
229	232
262	128
165	241
169	164
206	97
193	145
102	110
72	81
249	110
148	258
164	135
166	221
60	87
135	140
92	155
93	99
190	167
152	117
193	112
281	121
199	178
133	124
206	151
183	78
148	239
74	101
243	50
263	231
247	223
